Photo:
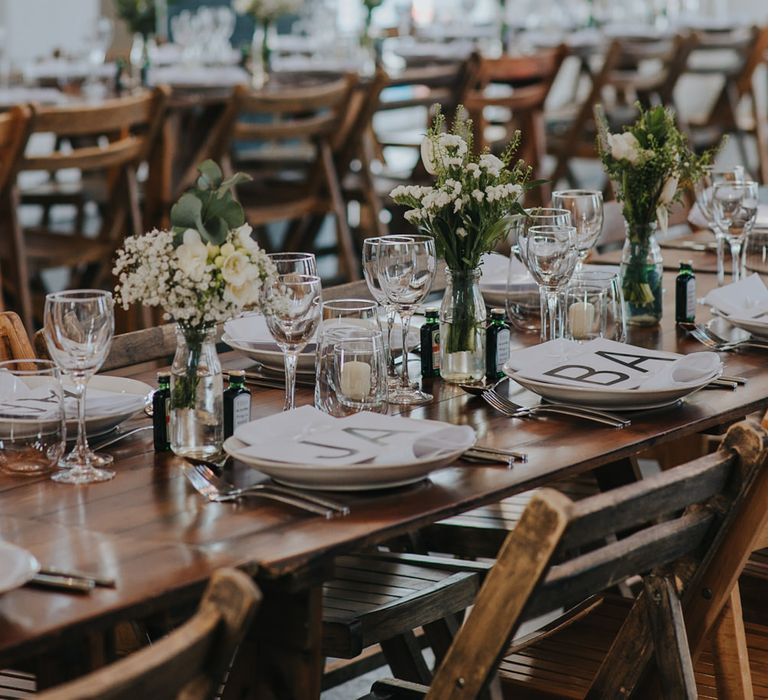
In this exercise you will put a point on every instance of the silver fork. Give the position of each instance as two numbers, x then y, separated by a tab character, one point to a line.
218	491
706	337
514	410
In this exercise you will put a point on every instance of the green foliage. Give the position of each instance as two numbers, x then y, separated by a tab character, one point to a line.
209	208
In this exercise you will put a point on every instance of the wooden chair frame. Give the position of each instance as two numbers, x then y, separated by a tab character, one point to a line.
697	525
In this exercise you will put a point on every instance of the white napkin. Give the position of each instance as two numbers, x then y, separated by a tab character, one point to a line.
606	365
198	76
745	300
306	435
23	401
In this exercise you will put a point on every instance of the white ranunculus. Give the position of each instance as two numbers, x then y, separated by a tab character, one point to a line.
668	191
243	237
625	147
428	156
192	255
242	295
236	269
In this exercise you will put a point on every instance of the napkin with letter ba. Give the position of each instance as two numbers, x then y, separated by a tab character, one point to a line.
607	365
306	435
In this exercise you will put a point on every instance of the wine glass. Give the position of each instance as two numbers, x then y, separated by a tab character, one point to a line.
551	256
704	189
586	207
78	328
371	275
735	208
292	318
406	268
756	253
536	216
300	263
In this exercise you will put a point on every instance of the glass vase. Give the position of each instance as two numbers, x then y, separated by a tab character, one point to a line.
462	328
261	54
197	394
641	275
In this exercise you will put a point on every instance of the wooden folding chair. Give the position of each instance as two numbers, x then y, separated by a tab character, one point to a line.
14	132
14	341
749	47
188	664
619	75
284	139
687	532
106	143
529	79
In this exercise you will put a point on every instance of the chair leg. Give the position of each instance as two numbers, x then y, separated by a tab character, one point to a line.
670	642
405	658
348	264
731	659
19	268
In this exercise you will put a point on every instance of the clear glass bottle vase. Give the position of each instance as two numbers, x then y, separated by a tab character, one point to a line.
642	269
462	328
197	394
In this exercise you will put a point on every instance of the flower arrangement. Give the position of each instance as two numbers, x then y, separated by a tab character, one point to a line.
650	165
467	212
467	209
202	272
266	10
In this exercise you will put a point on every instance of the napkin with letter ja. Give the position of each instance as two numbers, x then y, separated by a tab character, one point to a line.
607	365
306	435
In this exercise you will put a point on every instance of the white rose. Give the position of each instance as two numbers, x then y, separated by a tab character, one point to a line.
243	238
624	147
242	6
242	295
227	249
452	141
428	156
668	191
192	255
236	269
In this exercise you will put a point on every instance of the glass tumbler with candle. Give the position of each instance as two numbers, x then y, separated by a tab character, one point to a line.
610	281
585	312
32	426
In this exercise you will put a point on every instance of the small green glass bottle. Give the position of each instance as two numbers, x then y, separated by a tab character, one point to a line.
497	337
430	345
237	403
161	412
685	294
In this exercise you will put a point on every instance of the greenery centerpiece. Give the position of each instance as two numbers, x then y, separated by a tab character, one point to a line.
467	212
650	165
264	13
203	271
139	15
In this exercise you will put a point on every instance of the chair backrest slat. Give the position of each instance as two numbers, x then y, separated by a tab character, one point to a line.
91	157
14	341
629	506
306	128
188	663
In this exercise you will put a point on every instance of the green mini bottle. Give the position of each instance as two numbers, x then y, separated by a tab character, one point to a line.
237	403
685	294
430	345
161	413
497	337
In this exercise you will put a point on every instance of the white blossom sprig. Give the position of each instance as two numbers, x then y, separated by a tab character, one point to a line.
266	10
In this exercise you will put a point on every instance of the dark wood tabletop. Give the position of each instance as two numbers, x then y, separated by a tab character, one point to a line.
160	540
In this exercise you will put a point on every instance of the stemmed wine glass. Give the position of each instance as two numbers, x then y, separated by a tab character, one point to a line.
371	274
535	216
735	208
406	268
300	263
292	319
704	189
551	255
586	207
78	329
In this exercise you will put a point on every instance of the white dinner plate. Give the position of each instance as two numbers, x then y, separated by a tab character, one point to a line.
352	477
17	566
759	329
103	423
618	399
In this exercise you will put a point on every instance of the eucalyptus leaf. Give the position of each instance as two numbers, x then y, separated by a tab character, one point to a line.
233	181
187	212
217	230
210	175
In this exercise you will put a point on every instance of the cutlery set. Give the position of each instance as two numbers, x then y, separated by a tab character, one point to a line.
70	581
711	340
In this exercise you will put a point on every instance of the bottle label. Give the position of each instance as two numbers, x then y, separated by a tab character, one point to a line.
436	348
690	300
241	410
502	348
168	419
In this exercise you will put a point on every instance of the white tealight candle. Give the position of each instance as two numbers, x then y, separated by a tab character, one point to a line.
581	319
356	380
